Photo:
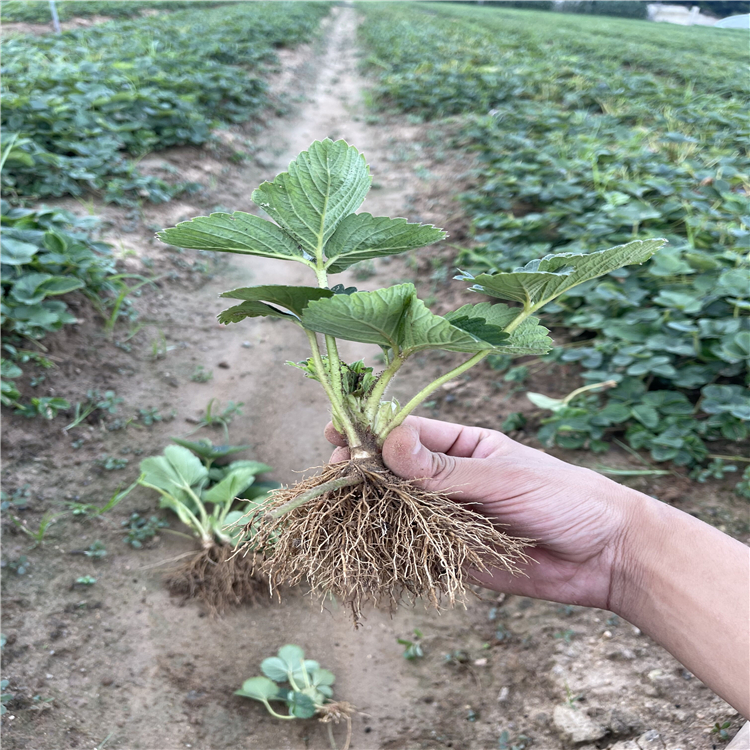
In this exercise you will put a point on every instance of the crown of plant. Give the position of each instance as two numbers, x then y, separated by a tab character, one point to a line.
313	207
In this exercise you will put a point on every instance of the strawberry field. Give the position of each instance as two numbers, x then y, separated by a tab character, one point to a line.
138	427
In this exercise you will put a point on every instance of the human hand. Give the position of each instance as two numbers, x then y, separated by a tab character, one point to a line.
576	517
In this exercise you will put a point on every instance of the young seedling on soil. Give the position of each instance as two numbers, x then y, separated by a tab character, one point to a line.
188	485
309	693
356	530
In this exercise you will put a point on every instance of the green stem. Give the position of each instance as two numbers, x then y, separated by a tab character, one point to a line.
404	412
378	391
273	713
334	484
336	399
334	366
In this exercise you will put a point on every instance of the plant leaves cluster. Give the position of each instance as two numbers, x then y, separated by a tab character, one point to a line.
309	685
47	253
39	12
189	480
313	206
589	140
82	102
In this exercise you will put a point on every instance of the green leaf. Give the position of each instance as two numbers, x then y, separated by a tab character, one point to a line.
178	466
28	289
292	656
207	450
275	668
545	402
363	236
422	329
541	281
322	677
323	185
230	487
62	285
251	310
646	415
293	298
394	318
16	253
367	317
259	689
529	338
300	705
239	232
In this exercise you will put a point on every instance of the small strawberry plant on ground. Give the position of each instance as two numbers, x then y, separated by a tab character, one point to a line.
309	694
356	530
189	481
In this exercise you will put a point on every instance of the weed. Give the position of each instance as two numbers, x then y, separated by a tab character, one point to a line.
91	510
19	566
201	375
96	551
142	530
413	648
86	580
221	419
38	536
111	463
106	402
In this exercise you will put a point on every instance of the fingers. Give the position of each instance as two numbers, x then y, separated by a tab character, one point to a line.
339	455
333	436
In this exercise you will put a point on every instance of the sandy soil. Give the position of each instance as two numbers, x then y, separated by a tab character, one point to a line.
126	666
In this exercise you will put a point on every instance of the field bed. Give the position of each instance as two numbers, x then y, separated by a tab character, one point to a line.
585	141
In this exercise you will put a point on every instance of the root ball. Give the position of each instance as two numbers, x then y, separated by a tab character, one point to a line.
382	541
218	578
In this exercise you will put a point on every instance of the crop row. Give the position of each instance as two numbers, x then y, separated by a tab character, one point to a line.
38	11
593	131
81	102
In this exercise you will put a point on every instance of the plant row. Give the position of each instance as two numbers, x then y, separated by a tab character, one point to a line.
584	142
38	11
77	105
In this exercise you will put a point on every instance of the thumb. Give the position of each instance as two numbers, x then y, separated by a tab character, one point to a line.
405	456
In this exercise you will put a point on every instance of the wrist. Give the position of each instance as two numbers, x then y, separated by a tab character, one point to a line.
641	520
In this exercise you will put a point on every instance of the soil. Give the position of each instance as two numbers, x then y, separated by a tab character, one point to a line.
122	664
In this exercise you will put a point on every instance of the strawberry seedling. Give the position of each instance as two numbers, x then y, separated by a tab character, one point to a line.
356	530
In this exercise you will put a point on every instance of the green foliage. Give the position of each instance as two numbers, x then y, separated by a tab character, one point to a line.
742	488
84	101
96	551
5	697
142	530
622	8
215	416
314	204
38	11
188	481
588	140
86	580
413	649
309	684
48	253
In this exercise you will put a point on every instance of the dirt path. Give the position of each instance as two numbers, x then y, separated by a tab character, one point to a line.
127	664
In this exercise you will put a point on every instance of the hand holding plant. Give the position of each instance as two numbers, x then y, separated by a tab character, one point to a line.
357	530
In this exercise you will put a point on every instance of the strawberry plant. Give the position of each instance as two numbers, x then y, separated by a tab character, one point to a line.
202	495
408	542
309	693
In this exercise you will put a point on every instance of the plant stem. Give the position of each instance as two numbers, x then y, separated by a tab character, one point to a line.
404	412
336	399
377	392
273	713
334	484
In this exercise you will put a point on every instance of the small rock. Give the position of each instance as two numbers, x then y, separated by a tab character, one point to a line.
576	726
480	663
626	745
107	680
650	740
224	365
503	696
